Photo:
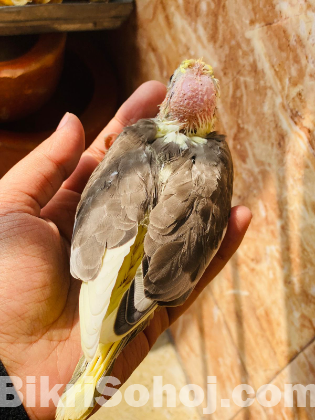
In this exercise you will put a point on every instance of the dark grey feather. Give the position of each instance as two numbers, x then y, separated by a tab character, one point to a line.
188	214
115	199
187	224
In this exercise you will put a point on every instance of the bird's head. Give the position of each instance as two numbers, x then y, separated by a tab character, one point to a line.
191	96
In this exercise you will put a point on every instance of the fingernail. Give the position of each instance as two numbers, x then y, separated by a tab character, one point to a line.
63	121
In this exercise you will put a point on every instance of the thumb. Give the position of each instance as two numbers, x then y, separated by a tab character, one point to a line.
32	182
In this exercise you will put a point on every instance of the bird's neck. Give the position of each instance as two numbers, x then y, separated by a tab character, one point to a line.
171	131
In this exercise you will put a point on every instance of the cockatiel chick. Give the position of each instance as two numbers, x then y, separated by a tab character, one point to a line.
151	218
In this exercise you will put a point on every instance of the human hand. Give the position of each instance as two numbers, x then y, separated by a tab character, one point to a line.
39	329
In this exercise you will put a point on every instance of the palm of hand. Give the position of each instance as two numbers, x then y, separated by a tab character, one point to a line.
39	329
39	332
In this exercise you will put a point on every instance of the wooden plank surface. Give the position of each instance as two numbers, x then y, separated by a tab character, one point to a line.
258	315
300	375
36	18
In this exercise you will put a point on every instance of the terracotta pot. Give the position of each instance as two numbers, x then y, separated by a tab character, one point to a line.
87	88
28	80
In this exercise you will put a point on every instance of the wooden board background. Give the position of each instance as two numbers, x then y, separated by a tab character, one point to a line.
64	17
255	323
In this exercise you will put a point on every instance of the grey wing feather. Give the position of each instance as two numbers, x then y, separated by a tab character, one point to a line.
114	200
187	224
186	221
185	229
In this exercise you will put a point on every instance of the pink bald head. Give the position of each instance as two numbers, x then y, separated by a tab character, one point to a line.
191	97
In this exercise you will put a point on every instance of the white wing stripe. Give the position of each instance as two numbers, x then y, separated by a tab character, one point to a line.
95	297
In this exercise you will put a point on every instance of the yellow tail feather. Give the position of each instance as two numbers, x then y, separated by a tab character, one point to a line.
78	401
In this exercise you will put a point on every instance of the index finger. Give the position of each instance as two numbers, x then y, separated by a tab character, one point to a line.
143	103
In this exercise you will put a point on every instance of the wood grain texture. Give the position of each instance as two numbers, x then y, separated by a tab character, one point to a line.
299	374
205	344
38	18
162	361
263	54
